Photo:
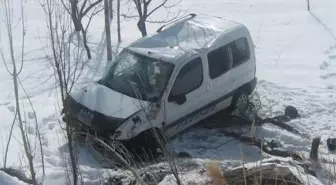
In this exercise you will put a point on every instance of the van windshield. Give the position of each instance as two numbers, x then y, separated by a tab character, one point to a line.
138	76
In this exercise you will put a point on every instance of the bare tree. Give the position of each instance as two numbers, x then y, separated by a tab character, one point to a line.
8	10
108	30
144	12
9	140
111	8
118	21
78	12
66	57
38	134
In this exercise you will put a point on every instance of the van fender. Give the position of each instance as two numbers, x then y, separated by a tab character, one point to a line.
134	125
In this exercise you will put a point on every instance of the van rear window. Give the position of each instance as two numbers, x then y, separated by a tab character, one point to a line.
219	61
240	51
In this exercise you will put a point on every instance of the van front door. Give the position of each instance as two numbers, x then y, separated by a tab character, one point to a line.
186	98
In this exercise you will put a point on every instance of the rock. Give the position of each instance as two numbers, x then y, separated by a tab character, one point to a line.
291	112
331	143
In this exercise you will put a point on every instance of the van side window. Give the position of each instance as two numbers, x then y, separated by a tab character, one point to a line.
240	51
219	61
189	78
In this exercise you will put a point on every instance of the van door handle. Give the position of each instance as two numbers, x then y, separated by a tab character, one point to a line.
207	87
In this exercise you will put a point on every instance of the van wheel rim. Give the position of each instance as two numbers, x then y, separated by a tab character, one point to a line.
241	102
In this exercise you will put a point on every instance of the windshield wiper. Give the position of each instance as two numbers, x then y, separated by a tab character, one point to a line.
151	99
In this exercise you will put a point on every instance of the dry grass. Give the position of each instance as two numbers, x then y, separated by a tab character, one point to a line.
215	172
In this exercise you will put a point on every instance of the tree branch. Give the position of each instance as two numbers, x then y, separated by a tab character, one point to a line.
4	61
167	20
129	16
9	139
65	7
90	18
82	8
138	7
173	5
36	126
159	6
23	39
90	7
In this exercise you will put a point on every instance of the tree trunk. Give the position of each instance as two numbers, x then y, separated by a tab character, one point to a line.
142	27
108	31
73	160
79	26
26	144
111	9
23	134
69	133
88	52
118	21
74	16
9	139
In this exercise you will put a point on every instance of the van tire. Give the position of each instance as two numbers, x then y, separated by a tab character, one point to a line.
239	100
144	146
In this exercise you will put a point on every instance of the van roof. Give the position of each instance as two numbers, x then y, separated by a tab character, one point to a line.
183	37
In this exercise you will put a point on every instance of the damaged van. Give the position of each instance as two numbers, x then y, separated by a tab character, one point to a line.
168	81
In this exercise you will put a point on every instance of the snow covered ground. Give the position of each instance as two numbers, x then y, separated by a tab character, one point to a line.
296	65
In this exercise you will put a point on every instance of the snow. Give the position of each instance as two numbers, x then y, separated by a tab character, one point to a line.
8	180
296	65
297	171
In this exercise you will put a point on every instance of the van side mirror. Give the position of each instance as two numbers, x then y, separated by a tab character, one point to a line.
179	99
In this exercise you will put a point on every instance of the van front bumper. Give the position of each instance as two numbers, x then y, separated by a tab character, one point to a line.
80	116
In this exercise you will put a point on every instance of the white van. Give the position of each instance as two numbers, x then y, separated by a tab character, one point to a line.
169	81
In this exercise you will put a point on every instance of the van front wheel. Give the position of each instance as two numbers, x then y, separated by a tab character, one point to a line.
145	145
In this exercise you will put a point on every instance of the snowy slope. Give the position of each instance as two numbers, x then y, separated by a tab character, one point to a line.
8	180
296	65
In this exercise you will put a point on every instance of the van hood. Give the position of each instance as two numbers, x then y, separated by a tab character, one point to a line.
108	102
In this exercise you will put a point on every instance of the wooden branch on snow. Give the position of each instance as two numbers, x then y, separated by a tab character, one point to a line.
314	148
259	143
224	119
229	120
281	125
